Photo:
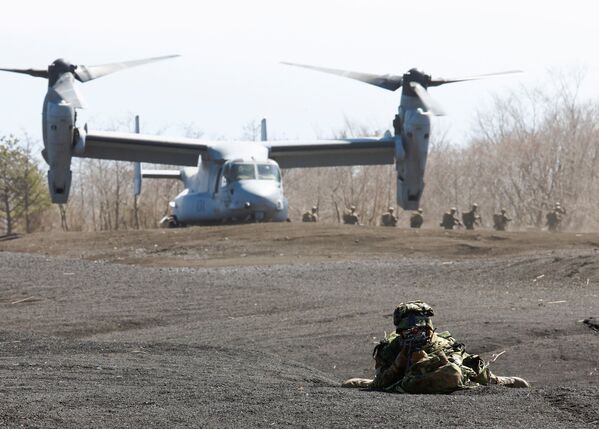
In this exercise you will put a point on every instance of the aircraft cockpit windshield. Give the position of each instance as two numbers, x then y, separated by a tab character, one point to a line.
242	172
236	171
269	172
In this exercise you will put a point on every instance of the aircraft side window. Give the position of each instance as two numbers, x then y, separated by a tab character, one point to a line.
223	181
269	172
243	172
220	180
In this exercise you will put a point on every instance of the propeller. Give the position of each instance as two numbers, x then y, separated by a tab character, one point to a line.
414	82
61	75
386	81
65	90
30	72
87	73
429	102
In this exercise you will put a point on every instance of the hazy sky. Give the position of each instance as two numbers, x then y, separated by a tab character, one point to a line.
229	72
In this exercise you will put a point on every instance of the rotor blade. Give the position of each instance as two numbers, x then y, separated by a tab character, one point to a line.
389	82
66	90
429	102
86	73
30	72
442	81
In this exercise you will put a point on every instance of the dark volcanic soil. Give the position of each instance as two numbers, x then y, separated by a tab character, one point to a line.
256	325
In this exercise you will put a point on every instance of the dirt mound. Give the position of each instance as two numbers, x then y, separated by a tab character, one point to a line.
289	243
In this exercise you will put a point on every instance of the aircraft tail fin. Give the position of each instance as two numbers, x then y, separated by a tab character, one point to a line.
263	132
136	178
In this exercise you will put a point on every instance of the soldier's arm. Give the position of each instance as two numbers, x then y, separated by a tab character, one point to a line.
386	376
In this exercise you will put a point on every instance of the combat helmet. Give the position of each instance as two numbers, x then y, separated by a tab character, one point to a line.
413	313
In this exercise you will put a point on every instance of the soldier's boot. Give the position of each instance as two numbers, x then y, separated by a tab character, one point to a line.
362	383
516	382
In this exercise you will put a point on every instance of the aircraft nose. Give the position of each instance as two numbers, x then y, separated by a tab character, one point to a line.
260	195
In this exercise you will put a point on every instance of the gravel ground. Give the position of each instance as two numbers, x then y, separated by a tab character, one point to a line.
100	332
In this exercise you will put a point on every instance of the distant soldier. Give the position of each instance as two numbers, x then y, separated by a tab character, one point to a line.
554	218
471	218
500	220
416	219
351	217
389	218
449	219
558	208
310	215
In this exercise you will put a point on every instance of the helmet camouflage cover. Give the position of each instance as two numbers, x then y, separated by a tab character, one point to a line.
413	313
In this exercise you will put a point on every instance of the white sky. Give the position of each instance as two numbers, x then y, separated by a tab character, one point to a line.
230	74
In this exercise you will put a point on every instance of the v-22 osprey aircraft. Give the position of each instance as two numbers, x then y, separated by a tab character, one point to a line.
233	180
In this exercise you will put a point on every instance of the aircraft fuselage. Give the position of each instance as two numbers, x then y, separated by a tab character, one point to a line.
239	190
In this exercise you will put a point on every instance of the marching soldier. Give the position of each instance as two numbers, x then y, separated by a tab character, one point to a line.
311	215
416	219
351	217
500	220
471	218
449	219
389	218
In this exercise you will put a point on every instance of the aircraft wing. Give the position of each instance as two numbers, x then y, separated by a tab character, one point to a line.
139	147
333	153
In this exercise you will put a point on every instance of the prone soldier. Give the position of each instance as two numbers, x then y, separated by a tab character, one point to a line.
418	359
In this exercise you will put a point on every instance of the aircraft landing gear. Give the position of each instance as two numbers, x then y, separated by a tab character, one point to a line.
170	221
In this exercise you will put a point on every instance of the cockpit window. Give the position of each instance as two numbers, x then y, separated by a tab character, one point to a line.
269	172
242	172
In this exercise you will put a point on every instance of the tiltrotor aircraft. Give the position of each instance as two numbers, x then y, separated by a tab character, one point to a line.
233	180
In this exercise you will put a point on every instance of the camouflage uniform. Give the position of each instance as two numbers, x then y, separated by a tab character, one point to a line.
351	217
389	219
554	218
449	219
417	219
500	220
471	218
426	362
311	216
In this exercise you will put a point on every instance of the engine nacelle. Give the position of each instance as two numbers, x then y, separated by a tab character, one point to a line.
410	168
59	122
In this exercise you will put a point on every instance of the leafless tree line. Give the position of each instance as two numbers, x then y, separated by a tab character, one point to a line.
532	148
